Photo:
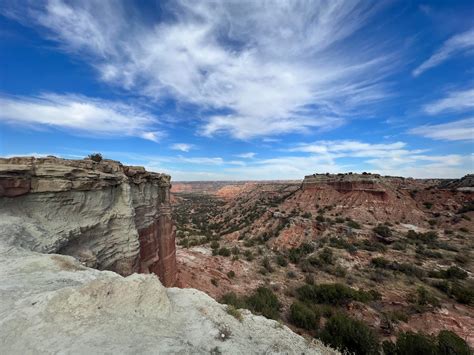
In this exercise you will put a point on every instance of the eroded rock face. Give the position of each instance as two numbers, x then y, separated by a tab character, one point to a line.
107	215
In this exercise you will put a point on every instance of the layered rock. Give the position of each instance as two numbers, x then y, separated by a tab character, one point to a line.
105	214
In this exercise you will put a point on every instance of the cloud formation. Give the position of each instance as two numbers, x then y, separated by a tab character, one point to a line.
79	114
462	100
184	147
270	67
462	130
462	42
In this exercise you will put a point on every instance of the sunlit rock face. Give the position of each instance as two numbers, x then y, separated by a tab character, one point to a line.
107	215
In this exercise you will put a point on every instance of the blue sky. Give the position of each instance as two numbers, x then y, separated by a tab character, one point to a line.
242	89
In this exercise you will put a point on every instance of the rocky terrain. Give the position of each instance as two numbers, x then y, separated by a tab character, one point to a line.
69	230
406	242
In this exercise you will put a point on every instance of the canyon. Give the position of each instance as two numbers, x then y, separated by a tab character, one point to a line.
392	236
86	250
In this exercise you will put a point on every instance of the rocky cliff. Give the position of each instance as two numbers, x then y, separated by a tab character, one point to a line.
107	215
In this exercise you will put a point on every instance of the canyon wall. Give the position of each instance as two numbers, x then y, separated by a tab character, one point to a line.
106	215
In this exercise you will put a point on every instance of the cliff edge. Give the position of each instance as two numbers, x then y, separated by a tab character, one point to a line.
106	215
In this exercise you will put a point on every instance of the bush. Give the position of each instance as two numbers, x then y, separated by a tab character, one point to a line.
281	260
446	343
347	334
97	157
224	251
449	343
428	205
453	272
332	294
320	218
234	312
353	224
232	299
214	244
267	265
410	343
326	256
295	254
265	302
303	316
383	231
231	274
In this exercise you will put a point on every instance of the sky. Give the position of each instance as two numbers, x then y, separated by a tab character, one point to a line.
242	90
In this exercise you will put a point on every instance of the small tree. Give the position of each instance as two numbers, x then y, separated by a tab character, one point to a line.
97	157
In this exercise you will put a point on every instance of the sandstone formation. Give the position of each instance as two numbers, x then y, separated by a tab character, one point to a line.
366	196
107	215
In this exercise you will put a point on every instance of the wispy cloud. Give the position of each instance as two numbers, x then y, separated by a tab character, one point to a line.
79	114
184	147
462	42
462	130
455	101
248	155
273	67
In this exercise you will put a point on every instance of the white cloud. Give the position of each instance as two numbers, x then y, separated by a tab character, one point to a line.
275	67
458	43
248	155
79	114
184	147
202	160
452	131
454	101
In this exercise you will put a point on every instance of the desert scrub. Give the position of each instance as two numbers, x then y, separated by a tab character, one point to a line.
281	260
263	301
383	231
234	312
337	294
304	316
349	335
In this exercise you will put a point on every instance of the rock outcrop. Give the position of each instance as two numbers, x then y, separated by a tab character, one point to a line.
107	215
365	197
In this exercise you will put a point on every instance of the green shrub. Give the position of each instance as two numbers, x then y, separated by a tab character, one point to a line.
326	256
347	334
449	343
97	157
234	312
353	224
428	205
383	231
320	218
296	254
224	251
214	244
453	272
281	260
410	343
265	302
231	274
303	316
335	293
446	343
232	299
214	282
380	262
